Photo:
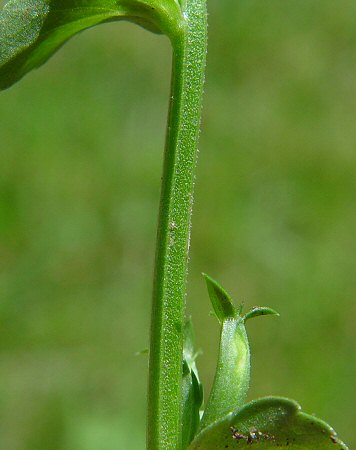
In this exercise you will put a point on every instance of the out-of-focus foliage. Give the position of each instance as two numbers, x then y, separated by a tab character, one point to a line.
274	219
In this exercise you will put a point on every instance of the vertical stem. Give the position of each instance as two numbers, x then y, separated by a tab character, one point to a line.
166	348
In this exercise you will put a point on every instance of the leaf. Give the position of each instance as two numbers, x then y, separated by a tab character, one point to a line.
32	30
191	403
260	311
270	422
232	374
192	390
220	299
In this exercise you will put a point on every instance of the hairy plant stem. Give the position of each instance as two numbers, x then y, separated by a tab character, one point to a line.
166	348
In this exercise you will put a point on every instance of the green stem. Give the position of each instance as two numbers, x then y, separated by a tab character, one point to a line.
166	349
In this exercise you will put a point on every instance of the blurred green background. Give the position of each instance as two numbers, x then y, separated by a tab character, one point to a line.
274	219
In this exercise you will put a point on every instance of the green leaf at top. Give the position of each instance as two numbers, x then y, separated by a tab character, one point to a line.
32	30
267	423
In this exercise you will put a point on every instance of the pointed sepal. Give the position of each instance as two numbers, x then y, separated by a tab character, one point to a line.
220	299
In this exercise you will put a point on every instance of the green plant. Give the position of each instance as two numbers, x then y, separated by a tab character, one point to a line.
31	31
